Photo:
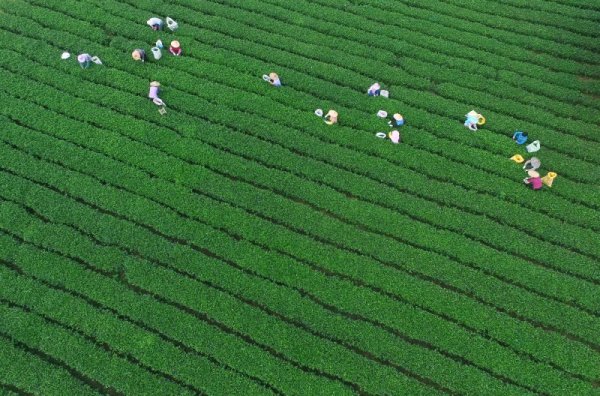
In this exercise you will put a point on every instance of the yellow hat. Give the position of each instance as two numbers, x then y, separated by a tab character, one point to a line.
155	84
136	55
175	44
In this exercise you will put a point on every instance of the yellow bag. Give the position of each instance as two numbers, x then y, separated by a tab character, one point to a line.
549	178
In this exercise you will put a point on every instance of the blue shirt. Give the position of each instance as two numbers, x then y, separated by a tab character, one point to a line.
520	137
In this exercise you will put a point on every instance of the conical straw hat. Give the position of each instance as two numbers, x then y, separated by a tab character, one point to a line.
175	44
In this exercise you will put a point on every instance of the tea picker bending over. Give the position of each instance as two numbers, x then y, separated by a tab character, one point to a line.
84	60
272	78
153	93
331	117
534	180
175	48
532	164
394	136
473	120
397	120
374	90
155	23
520	137
139	55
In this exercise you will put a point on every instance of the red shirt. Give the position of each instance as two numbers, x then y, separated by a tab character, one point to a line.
175	51
535	182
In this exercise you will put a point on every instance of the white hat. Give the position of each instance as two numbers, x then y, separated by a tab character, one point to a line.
395	137
155	84
175	44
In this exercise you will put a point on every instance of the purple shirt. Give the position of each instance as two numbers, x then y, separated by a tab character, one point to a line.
153	94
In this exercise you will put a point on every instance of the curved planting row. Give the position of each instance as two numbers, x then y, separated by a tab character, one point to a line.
547	206
243	46
281	24
205	240
576	9
73	245
397	45
84	352
120	145
26	370
358	69
107	291
508	25
554	55
456	45
148	341
219	305
551	19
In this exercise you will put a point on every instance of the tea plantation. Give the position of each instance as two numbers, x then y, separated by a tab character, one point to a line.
239	245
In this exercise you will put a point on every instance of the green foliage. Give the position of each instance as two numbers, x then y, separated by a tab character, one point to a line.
237	245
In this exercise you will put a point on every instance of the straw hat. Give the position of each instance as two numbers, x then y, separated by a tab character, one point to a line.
533	173
175	44
136	55
399	119
155	84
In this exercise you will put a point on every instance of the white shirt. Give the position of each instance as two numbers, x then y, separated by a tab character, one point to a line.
82	58
374	87
154	21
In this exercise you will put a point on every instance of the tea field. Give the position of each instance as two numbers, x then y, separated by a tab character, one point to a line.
238	245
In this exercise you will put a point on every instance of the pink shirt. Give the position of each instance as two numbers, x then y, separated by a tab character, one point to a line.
536	182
